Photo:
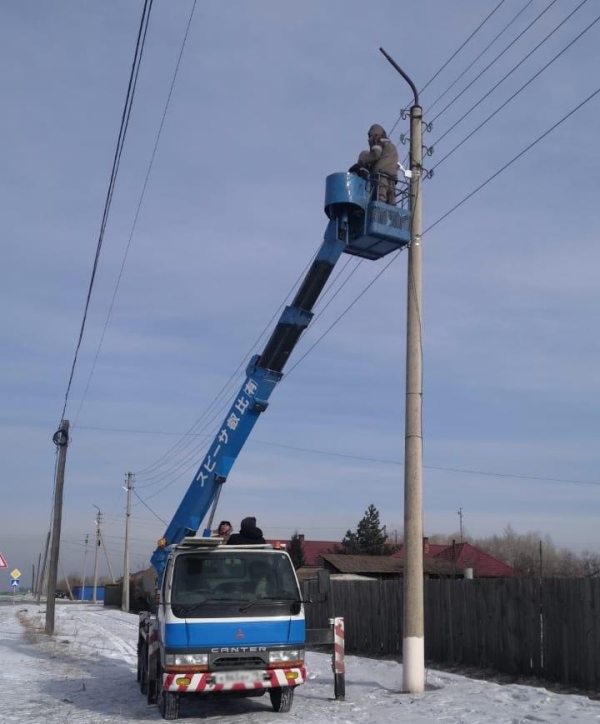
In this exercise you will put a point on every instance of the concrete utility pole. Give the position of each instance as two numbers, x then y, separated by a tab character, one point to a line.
61	440
128	487
85	552
413	642
98	521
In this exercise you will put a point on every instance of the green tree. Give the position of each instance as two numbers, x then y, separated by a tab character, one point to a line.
297	550
368	539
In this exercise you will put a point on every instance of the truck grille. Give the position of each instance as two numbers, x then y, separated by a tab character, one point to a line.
237	661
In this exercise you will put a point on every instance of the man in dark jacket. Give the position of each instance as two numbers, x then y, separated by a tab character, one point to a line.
381	158
249	534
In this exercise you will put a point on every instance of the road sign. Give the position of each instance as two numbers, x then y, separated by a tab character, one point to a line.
3	563
15	573
15	583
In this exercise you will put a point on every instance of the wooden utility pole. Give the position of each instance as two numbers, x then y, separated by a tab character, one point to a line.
42	571
110	570
36	580
67	584
125	599
61	440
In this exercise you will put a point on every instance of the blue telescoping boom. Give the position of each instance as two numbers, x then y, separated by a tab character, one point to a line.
359	224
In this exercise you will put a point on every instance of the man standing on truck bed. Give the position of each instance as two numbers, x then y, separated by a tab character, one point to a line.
249	534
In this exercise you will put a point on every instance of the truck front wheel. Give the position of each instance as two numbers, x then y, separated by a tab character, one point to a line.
169	705
139	661
282	698
143	668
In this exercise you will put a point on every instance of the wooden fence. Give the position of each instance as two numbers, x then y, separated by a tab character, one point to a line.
549	629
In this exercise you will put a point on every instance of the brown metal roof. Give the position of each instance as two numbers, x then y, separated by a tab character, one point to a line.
363	564
383	565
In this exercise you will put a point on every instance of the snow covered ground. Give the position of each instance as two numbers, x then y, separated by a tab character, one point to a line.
85	674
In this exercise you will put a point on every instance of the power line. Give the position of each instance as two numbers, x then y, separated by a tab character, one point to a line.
489	65
189	461
139	49
450	59
513	475
182	463
516	93
343	314
481	54
137	213
182	444
370	459
457	51
348	308
236	375
150	509
429	228
509	163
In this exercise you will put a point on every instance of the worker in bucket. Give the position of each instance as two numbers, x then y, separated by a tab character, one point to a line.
381	158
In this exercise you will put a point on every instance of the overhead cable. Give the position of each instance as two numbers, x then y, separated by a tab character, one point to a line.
137	213
450	59
490	64
509	163
135	67
514	95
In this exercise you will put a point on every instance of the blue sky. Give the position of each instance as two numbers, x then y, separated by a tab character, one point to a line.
270	98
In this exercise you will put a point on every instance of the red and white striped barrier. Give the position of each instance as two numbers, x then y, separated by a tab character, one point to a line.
339	654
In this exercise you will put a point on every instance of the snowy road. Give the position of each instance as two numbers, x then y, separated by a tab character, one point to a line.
85	674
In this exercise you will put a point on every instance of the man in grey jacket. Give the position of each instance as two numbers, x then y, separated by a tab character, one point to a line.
381	158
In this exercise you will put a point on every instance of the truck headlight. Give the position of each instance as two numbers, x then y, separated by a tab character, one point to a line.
186	659
287	657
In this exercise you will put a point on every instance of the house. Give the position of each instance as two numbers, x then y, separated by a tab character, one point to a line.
464	556
466	559
440	560
382	567
312	555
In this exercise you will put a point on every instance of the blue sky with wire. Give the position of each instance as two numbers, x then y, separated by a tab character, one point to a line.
207	238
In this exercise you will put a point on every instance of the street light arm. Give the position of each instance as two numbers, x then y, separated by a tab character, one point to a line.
413	87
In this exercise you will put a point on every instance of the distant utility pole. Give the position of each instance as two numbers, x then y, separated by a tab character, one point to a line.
460	518
42	571
413	643
128	487
67	583
98	534
61	440
36	580
110	570
85	552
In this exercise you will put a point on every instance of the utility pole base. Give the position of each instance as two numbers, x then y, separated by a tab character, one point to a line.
413	665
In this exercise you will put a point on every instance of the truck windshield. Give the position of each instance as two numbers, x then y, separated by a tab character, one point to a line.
203	580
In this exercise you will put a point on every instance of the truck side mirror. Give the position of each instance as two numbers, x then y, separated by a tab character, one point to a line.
323	582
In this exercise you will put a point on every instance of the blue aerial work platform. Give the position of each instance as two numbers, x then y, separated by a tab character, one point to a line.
374	228
359	224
